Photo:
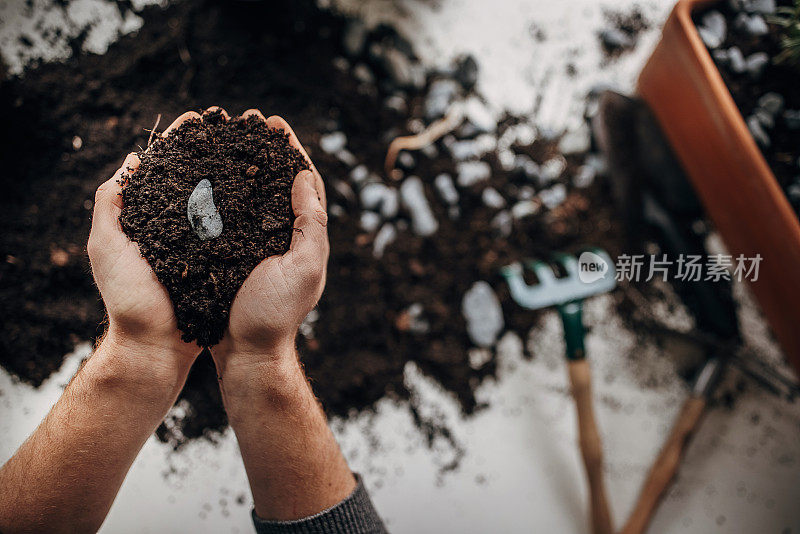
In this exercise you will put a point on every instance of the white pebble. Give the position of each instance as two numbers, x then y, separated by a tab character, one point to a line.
713	29
576	141
359	174
472	172
446	188
554	196
584	177
524	208
492	198
503	223
412	196
370	221
347	157
483	314
479	115
385	236
333	142
553	168
203	215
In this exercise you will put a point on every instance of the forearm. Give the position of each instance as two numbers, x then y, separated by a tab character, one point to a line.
293	462
66	475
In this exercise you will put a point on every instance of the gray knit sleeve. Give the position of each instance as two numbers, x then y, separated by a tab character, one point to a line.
354	515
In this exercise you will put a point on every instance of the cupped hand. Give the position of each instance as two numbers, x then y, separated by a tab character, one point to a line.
140	313
281	290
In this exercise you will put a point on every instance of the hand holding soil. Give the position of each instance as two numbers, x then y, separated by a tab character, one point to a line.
281	290
140	313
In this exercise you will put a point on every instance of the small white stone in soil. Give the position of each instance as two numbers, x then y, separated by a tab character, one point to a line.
752	24
479	357
756	63
412	196
757	131
503	223
372	196
553	197
765	118
359	174
363	74
713	29
405	160
575	141
736	61
307	326
596	162
765	7
524	208
77	143
526	192
417	324
616	38
471	148
203	215
335	210
472	172
446	188
492	198
333	142
483	314
553	168
347	157
397	103
441	94
506	158
584	177
479	115
771	102
370	221
391	204
385	236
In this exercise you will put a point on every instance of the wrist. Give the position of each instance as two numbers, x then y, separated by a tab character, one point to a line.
143	368
275	381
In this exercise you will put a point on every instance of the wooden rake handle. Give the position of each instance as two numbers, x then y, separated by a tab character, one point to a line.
591	445
666	465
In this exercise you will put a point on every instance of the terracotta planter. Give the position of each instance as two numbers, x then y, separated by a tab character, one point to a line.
685	90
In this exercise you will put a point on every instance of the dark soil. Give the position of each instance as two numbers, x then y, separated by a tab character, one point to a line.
251	168
278	57
630	24
783	154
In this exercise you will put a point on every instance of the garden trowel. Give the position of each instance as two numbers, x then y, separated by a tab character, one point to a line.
591	274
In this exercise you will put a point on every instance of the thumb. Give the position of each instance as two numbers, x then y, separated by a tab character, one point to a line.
107	200
310	237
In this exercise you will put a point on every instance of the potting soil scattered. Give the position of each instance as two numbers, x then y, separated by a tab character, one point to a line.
393	296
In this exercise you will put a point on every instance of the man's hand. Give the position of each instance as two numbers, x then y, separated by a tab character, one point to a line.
66	475
281	290
292	460
140	313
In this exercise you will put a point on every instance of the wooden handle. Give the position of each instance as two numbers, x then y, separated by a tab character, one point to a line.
591	445
665	466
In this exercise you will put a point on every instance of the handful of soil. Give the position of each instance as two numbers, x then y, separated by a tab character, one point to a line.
250	168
